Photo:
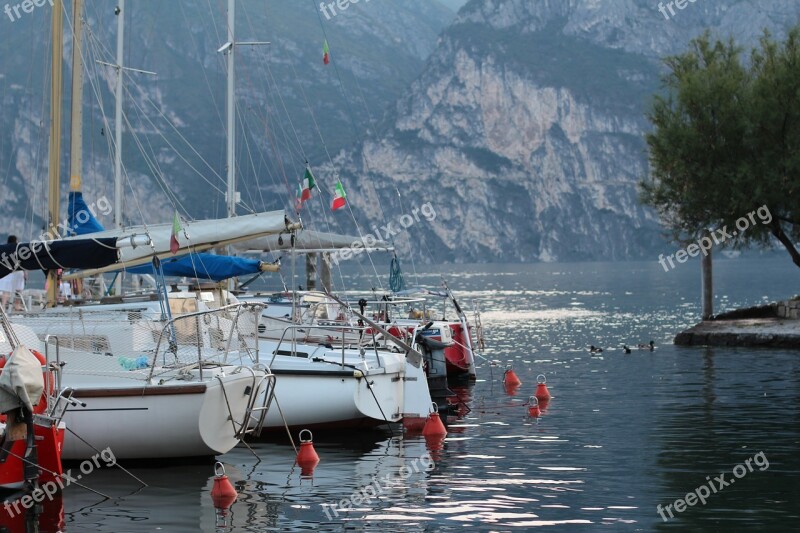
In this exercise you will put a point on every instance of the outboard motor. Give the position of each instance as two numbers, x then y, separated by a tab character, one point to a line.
435	364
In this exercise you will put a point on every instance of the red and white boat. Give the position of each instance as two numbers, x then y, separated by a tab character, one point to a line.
31	437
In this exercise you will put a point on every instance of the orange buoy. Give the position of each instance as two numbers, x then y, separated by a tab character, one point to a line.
307	457
533	407
542	394
222	493
510	377
434	425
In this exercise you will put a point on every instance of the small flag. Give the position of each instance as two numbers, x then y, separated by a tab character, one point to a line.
339	196
326	53
174	245
304	188
307	184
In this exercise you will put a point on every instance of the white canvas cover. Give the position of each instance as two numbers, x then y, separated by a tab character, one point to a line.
21	381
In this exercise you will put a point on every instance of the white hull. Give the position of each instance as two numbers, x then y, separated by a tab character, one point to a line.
177	419
335	401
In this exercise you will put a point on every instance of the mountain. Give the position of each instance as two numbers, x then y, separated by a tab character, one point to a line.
520	122
455	5
291	107
525	130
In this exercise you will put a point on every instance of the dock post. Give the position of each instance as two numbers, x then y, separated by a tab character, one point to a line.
325	271
708	286
311	271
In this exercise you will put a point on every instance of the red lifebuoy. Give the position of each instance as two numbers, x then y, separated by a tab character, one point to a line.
41	406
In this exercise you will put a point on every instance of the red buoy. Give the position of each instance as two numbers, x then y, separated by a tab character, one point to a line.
222	493
542	394
533	407
307	457
510	377
434	425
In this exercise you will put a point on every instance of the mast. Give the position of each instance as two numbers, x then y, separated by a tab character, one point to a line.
120	11
231	196
54	205
76	112
76	107
118	118
231	112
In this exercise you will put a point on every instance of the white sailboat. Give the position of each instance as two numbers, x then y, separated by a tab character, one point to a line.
144	393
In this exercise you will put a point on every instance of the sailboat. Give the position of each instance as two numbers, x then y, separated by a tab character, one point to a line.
142	390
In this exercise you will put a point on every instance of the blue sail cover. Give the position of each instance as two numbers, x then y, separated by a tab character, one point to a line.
81	219
203	266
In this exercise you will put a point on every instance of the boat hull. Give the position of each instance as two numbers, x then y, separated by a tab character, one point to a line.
157	421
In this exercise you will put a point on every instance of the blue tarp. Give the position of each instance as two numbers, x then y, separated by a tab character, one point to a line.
203	266
81	219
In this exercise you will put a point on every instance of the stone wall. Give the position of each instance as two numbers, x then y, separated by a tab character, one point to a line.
789	309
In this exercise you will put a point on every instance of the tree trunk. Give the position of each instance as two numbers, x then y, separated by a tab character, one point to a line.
779	234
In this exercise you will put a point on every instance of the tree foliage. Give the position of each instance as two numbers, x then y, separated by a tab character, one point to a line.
726	141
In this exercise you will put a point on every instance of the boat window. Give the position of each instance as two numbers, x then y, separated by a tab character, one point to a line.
290	353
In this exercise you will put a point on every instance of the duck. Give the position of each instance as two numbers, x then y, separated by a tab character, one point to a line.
626	349
594	349
652	346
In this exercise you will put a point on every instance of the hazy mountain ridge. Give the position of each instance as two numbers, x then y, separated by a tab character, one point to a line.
383	44
529	118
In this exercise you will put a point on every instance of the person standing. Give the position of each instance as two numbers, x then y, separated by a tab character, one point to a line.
13	284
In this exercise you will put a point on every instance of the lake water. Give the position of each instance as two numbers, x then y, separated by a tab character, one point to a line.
622	435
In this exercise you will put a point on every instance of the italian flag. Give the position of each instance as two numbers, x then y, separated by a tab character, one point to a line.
326	53
174	245
304	188
339	196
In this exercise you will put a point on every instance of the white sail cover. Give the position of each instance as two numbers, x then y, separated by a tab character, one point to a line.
308	240
194	236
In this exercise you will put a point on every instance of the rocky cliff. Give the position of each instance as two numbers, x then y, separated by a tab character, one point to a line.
174	130
525	129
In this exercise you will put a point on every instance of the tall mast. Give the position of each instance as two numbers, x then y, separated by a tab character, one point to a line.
118	119
120	11
229	48
54	205
231	112
76	112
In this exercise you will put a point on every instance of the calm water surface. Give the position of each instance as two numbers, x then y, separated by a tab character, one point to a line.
623	434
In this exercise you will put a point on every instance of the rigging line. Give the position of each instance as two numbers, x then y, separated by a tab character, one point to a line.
146	97
265	121
358	136
175	150
268	70
394	184
273	144
38	155
204	71
347	204
95	45
95	48
159	178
